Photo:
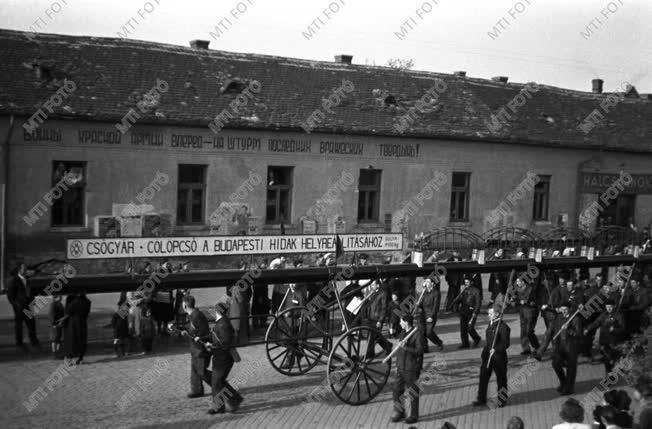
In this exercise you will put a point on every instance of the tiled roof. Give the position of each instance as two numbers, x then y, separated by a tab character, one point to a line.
112	74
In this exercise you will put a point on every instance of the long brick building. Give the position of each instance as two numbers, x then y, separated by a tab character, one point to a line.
91	125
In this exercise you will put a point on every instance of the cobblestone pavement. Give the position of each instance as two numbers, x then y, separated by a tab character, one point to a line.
88	396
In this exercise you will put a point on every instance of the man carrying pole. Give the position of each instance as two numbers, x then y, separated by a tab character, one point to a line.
409	362
494	353
468	305
494	358
565	334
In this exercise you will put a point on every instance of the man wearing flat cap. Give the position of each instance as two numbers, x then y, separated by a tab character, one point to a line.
222	344
565	347
409	362
612	328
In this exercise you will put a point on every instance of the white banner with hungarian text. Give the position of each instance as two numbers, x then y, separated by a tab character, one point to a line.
95	248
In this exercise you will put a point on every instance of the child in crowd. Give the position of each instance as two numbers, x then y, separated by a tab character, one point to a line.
147	329
56	312
120	324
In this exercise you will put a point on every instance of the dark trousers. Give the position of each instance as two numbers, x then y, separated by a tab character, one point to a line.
528	316
634	322
323	322
565	357
466	329
221	390
548	317
30	322
586	343
610	356
199	373
453	291
119	347
376	337
498	365
431	334
147	344
406	380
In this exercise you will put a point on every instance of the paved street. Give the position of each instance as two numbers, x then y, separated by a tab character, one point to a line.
90	395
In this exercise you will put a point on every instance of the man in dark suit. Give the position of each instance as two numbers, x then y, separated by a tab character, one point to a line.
612	327
565	348
468	306
409	362
291	322
200	358
19	296
634	307
592	294
221	344
543	295
376	314
528	314
454	280
497	280
497	352
430	308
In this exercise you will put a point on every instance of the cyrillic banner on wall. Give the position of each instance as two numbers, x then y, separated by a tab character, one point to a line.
95	248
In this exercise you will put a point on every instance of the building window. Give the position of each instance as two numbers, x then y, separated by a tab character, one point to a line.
279	194
190	194
369	195
460	197
70	178
541	197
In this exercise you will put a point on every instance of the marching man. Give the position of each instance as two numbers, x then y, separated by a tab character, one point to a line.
199	332
409	362
565	334
468	305
612	327
222	346
430	309
494	358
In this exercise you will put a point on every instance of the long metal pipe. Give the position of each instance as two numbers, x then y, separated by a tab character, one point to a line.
100	283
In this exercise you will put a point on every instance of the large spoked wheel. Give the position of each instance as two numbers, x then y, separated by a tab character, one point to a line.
356	372
294	343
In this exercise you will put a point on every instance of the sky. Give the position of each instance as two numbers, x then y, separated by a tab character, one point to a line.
564	43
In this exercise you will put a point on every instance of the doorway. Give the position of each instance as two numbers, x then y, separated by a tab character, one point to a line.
619	211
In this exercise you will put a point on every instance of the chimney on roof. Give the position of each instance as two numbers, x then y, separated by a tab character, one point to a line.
597	86
343	59
460	73
199	44
501	79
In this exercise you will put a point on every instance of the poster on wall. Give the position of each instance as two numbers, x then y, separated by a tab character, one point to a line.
308	226
255	224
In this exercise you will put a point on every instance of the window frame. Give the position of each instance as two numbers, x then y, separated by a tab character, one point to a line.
189	187
82	185
456	191
365	191
543	180
277	189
